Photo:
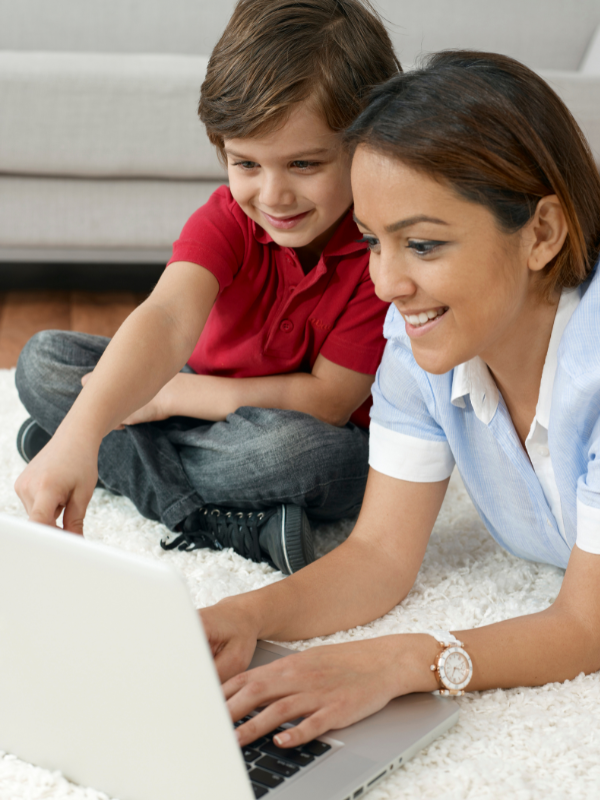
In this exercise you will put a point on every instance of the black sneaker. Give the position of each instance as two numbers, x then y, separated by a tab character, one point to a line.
279	535
31	438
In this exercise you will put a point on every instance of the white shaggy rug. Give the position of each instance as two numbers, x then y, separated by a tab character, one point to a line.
523	743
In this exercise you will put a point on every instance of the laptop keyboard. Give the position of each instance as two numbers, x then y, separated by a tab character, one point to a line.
269	766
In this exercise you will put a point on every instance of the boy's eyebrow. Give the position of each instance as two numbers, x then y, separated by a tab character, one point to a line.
296	157
405	223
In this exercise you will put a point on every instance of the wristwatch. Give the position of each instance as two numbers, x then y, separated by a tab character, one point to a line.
453	667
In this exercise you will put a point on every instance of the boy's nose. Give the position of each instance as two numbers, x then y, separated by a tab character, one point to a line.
274	192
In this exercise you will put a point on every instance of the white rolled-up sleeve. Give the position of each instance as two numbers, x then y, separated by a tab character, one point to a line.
588	528
406	441
407	457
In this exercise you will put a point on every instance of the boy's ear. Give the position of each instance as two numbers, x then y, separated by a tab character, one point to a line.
547	232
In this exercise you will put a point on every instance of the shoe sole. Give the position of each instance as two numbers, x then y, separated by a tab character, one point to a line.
296	539
28	427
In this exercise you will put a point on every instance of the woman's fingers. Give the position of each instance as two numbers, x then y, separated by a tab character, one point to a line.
311	726
285	710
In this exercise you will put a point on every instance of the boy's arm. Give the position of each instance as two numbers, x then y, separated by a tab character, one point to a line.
331	393
153	343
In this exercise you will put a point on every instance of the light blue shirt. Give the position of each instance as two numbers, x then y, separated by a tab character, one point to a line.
424	424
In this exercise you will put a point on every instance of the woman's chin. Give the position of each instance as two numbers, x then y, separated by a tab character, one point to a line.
433	362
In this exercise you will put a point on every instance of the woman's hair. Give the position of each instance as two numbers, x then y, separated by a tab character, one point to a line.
497	133
276	53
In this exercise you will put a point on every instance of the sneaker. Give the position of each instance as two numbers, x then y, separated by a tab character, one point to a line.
31	438
279	535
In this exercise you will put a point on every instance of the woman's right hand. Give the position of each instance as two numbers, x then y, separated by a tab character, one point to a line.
60	477
232	632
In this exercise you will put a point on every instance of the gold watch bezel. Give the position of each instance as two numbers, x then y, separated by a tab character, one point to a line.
448	687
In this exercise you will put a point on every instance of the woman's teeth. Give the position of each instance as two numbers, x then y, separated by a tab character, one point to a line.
416	320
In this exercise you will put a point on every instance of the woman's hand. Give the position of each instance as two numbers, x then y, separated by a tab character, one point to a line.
61	477
232	632
331	686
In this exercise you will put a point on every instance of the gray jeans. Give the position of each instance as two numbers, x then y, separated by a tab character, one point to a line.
255	459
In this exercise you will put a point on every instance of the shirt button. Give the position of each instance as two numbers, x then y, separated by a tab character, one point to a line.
543	450
286	326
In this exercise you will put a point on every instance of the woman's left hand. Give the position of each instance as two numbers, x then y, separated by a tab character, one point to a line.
331	686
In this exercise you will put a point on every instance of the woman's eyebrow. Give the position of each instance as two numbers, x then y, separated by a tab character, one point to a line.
405	223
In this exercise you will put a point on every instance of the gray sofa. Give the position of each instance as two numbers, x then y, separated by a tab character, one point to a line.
102	157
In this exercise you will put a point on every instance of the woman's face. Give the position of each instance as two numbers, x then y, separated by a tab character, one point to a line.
461	284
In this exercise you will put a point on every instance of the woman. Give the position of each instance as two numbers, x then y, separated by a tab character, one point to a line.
480	202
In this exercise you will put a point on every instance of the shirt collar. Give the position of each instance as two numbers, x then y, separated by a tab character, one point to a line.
569	300
345	240
474	379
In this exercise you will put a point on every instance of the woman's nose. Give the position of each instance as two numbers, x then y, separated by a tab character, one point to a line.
389	279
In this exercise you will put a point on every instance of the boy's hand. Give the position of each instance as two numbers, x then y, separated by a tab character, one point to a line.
232	636
59	478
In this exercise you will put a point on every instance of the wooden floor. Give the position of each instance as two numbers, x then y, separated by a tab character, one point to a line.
24	313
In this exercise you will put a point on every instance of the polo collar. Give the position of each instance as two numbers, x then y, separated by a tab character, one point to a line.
473	378
345	239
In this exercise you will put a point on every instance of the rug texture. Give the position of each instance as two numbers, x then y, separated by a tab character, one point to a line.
523	743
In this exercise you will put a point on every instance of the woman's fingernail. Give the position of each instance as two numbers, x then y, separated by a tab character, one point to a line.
282	738
237	733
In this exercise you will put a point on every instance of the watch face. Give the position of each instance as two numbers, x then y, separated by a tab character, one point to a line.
455	668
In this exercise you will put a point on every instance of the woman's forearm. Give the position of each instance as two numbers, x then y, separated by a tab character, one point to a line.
350	586
360	580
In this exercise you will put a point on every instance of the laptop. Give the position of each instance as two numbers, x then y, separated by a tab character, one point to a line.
106	675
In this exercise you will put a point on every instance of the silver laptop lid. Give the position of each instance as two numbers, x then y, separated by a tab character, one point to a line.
105	673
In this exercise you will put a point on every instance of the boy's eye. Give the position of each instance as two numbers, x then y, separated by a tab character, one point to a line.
424	247
305	165
371	241
245	164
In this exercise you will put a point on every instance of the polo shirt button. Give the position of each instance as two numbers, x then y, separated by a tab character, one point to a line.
287	325
543	450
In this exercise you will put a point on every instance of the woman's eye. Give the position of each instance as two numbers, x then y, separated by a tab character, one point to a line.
370	241
423	247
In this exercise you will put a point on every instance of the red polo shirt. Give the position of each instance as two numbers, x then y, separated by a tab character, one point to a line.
269	317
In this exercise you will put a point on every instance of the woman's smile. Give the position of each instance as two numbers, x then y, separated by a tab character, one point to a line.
419	323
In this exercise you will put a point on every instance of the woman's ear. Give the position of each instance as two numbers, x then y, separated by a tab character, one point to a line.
548	231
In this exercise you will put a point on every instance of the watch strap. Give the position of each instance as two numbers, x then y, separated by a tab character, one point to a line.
445	638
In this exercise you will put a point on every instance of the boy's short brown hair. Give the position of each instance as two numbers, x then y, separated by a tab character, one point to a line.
276	53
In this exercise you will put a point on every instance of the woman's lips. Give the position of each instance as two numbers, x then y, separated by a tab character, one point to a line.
285	223
414	332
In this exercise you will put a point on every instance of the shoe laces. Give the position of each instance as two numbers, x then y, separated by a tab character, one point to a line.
218	528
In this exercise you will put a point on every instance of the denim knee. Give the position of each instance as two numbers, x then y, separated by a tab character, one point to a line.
32	366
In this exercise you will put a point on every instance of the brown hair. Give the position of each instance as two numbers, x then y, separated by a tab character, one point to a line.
276	53
499	135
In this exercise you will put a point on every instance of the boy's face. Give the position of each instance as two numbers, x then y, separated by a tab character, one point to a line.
293	182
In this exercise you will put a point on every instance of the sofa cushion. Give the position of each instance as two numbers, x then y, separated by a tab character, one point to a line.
103	115
98	213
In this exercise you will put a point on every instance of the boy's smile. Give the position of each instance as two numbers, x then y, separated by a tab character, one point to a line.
294	182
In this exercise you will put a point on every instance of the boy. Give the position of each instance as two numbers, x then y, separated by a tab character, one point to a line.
268	300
